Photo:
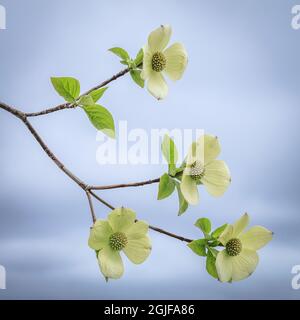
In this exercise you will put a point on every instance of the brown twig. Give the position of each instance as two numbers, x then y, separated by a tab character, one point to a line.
170	234
173	235
72	105
91	206
124	185
23	117
102	201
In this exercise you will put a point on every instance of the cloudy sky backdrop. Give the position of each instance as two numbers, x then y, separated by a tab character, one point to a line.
242	84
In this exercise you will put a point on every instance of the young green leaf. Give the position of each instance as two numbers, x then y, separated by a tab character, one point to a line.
183	205
66	87
215	234
98	93
136	77
166	187
86	100
204	224
139	57
101	118
172	170
169	150
198	246
213	251
211	262
120	52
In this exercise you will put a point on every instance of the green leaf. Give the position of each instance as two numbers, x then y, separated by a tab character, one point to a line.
198	246
183	205
136	77
66	87
86	100
101	118
139	57
215	234
120	52
211	263
98	93
213	251
170	153
204	224
166	187
172	170
214	243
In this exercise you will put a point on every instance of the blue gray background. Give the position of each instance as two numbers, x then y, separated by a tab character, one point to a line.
242	84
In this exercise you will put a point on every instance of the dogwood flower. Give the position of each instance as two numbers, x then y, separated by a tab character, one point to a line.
120	232
203	168
158	60
239	258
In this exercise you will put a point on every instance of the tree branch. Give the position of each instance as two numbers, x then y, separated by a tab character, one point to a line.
102	201
173	235
91	206
73	105
23	117
124	185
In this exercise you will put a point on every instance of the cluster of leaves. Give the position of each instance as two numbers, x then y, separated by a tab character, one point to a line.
206	247
133	64
171	180
69	89
100	117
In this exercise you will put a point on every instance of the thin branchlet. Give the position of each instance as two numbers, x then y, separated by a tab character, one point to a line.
72	105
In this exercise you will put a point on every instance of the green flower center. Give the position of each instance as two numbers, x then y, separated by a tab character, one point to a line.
197	170
159	62
118	241
234	247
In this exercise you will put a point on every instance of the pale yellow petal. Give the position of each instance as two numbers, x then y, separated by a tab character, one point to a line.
121	219
226	235
177	59
256	237
137	230
216	177
99	234
210	147
189	189
224	266
110	262
195	153
138	250
147	63
159	38
244	264
157	85
240	225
